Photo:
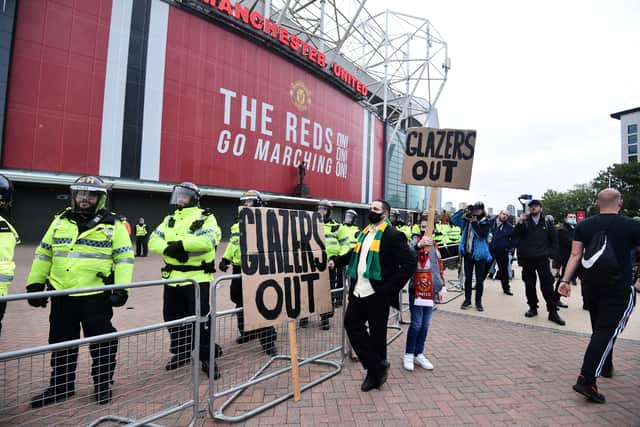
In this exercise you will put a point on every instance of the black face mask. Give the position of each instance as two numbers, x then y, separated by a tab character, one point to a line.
374	217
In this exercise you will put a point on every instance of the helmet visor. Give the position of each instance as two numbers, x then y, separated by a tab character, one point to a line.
86	201
348	218
183	197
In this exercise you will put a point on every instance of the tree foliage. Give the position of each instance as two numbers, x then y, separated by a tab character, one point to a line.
623	177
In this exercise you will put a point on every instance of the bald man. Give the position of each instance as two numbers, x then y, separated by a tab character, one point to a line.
610	297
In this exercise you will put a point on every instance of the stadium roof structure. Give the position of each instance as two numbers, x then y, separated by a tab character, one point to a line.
402	58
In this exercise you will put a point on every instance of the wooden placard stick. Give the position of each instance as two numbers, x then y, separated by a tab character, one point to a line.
431	211
295	370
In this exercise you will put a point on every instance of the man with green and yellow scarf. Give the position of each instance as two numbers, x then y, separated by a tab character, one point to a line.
379	266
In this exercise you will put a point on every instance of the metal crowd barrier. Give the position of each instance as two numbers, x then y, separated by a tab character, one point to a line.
250	374
143	391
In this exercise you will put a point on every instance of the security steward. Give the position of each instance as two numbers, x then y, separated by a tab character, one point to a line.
187	239
85	246
142	246
8	240
231	256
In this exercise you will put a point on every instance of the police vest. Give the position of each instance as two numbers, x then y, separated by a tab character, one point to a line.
8	240
72	260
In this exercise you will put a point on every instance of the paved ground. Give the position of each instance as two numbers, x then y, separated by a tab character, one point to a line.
491	368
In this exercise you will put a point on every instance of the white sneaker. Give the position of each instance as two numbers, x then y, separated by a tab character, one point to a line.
408	362
423	362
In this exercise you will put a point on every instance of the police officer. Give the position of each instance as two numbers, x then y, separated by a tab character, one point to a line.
399	224
187	239
8	240
231	256
332	231
142	246
85	246
349	231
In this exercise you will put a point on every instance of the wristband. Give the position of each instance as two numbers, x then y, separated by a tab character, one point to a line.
564	281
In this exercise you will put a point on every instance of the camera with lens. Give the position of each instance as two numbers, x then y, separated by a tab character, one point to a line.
468	212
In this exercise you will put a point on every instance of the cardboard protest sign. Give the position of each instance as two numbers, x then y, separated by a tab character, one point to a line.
284	265
439	157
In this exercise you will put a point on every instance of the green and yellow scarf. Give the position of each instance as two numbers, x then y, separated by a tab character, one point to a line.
373	270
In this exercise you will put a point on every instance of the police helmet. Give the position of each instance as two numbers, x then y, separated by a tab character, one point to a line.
550	219
185	195
254	196
6	192
350	216
478	205
88	194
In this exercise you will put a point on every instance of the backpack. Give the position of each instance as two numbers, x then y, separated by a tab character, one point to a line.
599	262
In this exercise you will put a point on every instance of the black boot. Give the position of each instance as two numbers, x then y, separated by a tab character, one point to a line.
51	395
102	392
370	382
555	318
177	360
216	370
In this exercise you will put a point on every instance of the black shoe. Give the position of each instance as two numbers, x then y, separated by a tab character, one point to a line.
607	372
244	338
508	292
304	322
216	370
589	391
325	325
561	304
531	313
49	396
102	393
270	350
479	307
370	382
465	305
176	361
555	318
383	373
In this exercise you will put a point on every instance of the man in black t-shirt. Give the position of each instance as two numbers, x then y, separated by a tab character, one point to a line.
611	301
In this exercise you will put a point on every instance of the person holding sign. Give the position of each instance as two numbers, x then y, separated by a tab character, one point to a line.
187	239
426	287
267	336
379	266
474	248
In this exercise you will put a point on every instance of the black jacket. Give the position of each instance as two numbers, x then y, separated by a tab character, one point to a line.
536	241
502	239
396	262
565	237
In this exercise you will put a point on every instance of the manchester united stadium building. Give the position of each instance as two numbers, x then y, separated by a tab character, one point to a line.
300	100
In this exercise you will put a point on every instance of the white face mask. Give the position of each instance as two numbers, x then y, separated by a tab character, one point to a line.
571	221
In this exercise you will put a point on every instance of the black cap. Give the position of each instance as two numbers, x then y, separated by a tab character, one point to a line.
535	202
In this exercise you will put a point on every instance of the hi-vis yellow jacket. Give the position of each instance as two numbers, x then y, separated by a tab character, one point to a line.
8	240
72	260
232	252
200	234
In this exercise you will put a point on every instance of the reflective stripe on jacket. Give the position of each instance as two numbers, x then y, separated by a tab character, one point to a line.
232	252
69	260
8	240
200	243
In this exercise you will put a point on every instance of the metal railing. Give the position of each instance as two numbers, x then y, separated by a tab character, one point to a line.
254	365
142	390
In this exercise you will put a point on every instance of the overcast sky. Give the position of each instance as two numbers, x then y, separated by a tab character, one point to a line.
538	80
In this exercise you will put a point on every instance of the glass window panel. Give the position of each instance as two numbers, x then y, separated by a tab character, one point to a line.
632	128
633	149
632	139
633	159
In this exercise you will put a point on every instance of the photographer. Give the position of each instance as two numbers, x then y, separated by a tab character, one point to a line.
475	249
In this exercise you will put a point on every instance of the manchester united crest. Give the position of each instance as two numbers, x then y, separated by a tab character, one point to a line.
300	95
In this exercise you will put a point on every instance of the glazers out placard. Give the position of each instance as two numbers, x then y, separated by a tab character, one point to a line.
284	266
236	115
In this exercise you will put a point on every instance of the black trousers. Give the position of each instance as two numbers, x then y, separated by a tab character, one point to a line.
142	246
179	302
370	345
540	267
68	314
267	336
469	265
503	267
609	310
3	308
